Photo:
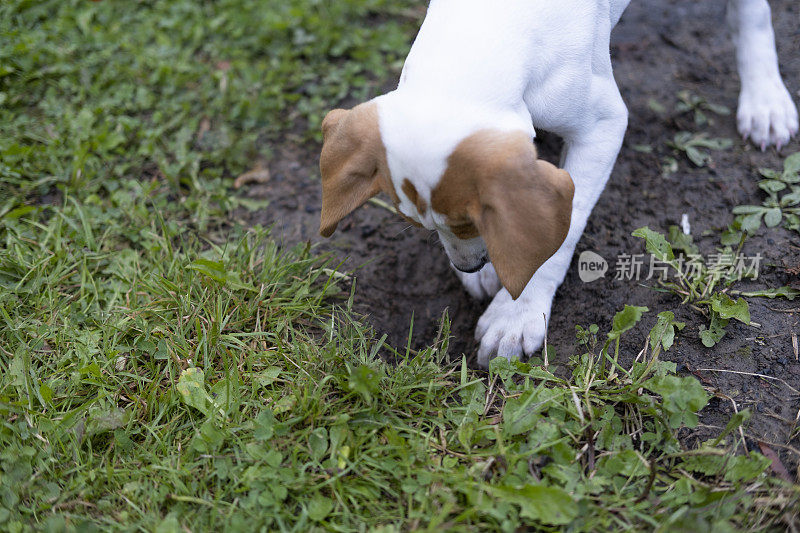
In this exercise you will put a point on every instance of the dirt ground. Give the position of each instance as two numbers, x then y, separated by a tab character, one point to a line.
658	48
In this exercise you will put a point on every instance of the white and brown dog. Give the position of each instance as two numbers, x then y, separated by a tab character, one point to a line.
453	144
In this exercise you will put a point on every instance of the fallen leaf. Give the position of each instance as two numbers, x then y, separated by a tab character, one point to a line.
777	466
259	174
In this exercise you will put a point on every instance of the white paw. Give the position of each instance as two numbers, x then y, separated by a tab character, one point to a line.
767	113
481	284
513	328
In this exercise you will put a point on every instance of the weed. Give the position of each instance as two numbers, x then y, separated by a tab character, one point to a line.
699	108
695	281
693	145
781	205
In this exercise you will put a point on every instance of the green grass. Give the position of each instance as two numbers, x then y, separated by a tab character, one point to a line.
164	369
219	387
188	92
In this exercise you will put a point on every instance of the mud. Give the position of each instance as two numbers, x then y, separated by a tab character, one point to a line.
659	48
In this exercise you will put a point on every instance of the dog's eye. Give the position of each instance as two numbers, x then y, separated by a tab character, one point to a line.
464	230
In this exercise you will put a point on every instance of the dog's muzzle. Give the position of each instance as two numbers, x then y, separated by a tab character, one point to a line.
473	268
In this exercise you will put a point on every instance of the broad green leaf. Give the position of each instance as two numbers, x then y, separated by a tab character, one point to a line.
268	376
719	109
727	308
791	199
211	436
730	237
93	369
791	165
521	414
318	442
622	463
770	173
696	156
264	425
710	463
273	458
783	292
106	420
751	223
170	524
710	337
681	241
191	386
319	507
773	217
625	320
714	332
744	468
213	269
548	505
682	398
224	394
664	330
365	381
656	106
772	186
655	243
46	392
717	143
19	212
747	209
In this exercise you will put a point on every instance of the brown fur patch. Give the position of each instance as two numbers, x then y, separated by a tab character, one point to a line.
411	193
352	163
520	205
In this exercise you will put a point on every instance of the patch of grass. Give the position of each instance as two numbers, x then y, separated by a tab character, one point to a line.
781	205
163	369
186	386
186	92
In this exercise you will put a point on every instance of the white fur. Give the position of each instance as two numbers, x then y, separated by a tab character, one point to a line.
516	64
482	284
766	112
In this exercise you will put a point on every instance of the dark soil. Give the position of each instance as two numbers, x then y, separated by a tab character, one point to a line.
658	50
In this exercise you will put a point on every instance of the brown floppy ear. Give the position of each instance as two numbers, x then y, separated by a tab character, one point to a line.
520	205
524	218
352	163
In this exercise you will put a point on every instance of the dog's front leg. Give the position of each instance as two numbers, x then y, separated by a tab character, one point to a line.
510	328
766	111
480	285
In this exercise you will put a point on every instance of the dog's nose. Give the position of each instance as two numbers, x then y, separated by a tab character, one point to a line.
472	268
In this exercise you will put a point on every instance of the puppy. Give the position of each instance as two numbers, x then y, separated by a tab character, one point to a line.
453	144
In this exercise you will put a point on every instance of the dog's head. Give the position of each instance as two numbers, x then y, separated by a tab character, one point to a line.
492	198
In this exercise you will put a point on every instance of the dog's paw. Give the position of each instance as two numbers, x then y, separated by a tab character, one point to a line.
510	328
767	114
481	284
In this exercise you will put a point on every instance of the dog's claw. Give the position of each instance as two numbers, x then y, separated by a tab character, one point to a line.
764	146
